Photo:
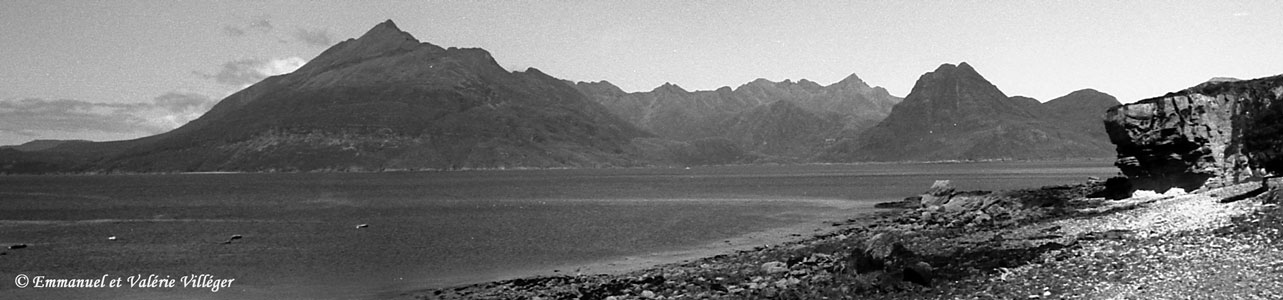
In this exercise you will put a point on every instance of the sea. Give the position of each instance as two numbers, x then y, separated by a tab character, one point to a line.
378	235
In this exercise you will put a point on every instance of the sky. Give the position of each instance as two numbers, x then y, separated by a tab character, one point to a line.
111	70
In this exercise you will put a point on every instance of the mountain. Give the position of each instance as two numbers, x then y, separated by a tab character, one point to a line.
1083	110
384	101
792	119
781	128
954	113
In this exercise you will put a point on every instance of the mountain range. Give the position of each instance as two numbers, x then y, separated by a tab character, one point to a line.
788	120
954	113
387	101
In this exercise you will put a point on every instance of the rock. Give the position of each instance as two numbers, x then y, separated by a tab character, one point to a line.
920	273
981	218
908	202
961	203
1210	135
939	194
111	238
912	201
1174	192
17	246
362	225
883	245
1145	194
648	294
862	262
1115	188
1271	196
774	267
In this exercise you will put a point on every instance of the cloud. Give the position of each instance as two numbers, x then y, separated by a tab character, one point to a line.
244	72
260	23
174	109
28	117
182	102
317	37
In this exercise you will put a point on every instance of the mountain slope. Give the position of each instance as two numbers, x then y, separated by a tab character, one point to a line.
781	128
1084	111
387	101
953	113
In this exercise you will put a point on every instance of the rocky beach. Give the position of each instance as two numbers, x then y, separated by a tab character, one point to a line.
1058	242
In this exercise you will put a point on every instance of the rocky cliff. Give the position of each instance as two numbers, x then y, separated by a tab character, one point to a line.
1217	133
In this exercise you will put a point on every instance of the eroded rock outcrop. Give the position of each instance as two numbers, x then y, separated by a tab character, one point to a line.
1213	134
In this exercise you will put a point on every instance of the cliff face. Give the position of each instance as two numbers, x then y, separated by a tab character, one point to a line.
1210	135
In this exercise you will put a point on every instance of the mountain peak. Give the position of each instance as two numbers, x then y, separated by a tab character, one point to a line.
853	80
668	86
387	31
380	40
1085	99
1086	92
960	70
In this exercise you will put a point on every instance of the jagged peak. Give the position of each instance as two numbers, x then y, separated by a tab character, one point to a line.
852	79
668	86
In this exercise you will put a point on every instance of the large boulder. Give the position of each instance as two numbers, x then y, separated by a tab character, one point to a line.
1210	135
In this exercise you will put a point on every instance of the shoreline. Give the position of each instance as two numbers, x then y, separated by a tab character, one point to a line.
831	223
1034	252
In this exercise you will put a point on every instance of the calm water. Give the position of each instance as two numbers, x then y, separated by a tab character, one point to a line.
426	229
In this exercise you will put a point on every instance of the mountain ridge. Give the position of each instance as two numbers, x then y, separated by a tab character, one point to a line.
669	111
